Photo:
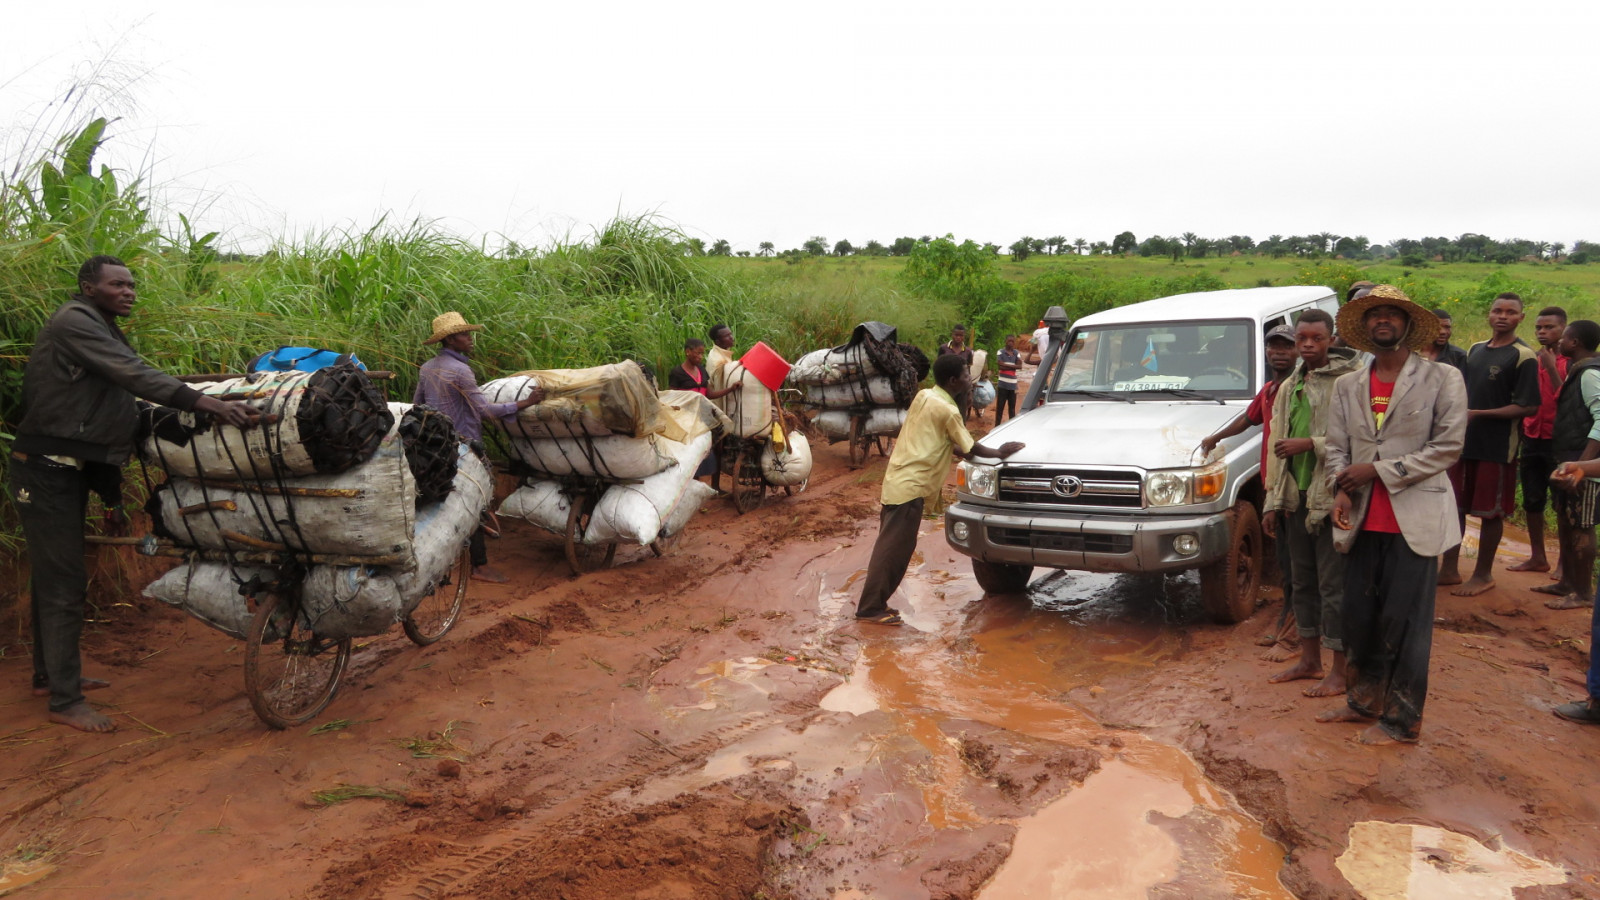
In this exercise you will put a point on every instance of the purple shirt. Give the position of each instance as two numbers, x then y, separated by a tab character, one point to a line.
447	384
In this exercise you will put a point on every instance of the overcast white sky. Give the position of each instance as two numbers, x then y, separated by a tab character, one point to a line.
858	120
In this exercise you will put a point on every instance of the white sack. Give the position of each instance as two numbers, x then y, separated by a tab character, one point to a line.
835	423
750	407
208	592
633	513
694	494
541	502
613	457
828	366
527	424
790	467
980	360
443	528
226	452
378	521
877	391
982	394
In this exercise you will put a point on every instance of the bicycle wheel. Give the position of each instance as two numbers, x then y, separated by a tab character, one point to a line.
860	443
290	674
583	557
437	613
749	485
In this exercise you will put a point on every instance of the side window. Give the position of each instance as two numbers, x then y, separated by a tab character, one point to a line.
1274	322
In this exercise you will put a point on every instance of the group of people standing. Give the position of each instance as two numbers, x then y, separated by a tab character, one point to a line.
1379	438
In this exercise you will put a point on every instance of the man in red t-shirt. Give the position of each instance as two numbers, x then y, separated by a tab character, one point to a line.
1394	429
1537	457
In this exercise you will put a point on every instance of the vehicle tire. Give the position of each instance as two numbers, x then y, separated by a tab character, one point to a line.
1229	587
436	614
290	674
1001	578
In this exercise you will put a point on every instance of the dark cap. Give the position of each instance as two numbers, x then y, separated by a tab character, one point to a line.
1281	331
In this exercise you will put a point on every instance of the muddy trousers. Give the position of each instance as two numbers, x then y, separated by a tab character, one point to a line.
51	501
1316	573
891	554
1388	630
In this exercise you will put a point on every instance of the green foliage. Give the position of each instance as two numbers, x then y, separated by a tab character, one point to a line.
1337	275
966	276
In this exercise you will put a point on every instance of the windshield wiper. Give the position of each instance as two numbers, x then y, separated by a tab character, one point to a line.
1185	394
1099	395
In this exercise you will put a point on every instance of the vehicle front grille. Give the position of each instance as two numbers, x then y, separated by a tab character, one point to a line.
1074	543
1111	488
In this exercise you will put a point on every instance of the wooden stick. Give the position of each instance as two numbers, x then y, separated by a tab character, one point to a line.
166	548
218	505
267	487
249	541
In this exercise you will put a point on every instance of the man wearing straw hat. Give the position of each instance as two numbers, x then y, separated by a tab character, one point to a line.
447	384
1395	427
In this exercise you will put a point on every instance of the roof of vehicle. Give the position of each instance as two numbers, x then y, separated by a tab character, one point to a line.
1236	304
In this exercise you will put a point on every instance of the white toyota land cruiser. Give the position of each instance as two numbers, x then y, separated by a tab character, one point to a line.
1111	479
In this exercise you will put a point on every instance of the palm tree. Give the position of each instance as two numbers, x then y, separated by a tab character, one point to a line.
767	248
1055	244
1079	245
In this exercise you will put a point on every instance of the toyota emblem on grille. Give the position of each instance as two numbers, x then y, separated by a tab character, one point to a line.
1068	486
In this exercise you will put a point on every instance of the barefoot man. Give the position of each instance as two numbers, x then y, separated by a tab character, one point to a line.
1537	460
78	426
1577	439
1281	357
1502	376
1299	499
1394	429
447	384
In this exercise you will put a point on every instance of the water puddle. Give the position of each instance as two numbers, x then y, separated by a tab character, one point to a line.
1148	817
1388	861
16	876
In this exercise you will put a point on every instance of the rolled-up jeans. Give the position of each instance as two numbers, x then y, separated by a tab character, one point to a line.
1316	573
51	500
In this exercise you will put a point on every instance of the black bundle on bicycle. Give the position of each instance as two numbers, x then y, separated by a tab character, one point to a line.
431	451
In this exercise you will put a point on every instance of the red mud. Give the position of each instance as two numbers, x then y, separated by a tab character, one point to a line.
654	731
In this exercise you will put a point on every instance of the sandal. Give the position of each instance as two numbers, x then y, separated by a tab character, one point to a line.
888	618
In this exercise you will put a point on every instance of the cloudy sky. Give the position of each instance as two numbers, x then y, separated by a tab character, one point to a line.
858	120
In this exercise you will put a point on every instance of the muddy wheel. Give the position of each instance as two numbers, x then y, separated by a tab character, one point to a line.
860	443
665	543
1229	586
1001	578
437	613
290	674
749	486
583	557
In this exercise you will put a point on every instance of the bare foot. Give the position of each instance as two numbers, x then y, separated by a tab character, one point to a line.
1331	686
1570	601
1342	714
1557	588
1375	736
1449	578
1281	652
84	717
489	574
1298	671
1474	587
1529	565
84	684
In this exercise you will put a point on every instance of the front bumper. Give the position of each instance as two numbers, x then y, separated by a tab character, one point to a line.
1090	543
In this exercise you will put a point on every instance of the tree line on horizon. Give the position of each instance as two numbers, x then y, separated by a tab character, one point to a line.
1414	252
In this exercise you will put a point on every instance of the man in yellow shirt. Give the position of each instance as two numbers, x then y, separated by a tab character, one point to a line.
932	433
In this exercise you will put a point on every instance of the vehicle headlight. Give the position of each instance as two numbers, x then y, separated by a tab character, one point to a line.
1167	488
1182	486
980	480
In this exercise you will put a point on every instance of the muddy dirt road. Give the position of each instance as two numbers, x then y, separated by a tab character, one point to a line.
711	724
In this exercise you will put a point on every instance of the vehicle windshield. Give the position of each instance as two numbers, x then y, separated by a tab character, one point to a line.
1216	359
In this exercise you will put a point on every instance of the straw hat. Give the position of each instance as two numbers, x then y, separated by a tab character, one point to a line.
448	324
1424	324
